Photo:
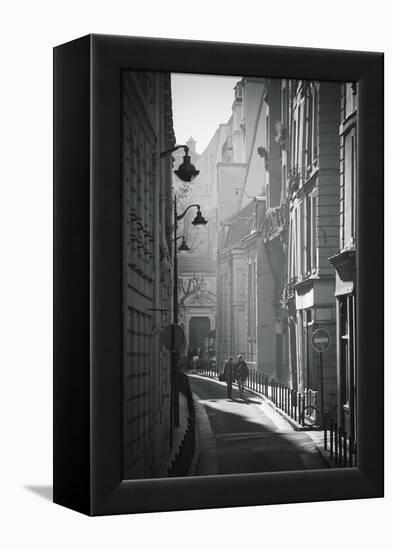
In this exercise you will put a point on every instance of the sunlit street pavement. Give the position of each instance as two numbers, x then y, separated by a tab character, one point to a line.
244	434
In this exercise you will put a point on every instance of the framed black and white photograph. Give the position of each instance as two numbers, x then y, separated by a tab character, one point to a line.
218	331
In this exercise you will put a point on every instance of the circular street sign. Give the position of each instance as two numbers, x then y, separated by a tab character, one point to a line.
320	340
173	337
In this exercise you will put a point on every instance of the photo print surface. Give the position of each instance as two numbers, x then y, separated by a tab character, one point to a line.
239	290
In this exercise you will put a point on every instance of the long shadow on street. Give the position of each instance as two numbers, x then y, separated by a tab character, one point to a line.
248	437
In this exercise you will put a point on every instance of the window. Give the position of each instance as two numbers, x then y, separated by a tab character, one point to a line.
309	234
290	251
308	130
349	188
251	300
303	138
297	243
298	145
303	241
344	351
294	153
308	247
284	107
353	185
314	125
313	237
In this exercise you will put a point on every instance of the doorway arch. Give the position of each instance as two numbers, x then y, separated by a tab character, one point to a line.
199	330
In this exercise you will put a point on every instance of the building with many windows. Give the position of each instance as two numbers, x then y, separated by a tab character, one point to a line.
344	263
231	286
274	149
311	114
275	276
243	306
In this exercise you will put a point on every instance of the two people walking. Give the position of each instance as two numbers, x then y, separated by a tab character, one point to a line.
235	372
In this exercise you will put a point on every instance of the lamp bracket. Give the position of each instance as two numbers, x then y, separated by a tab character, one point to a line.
165	153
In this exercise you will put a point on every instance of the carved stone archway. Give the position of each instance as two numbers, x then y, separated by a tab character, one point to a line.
197	304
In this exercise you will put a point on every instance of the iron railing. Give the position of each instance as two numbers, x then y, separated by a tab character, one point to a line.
280	394
340	446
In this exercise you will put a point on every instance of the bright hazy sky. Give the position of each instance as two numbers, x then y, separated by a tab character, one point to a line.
200	103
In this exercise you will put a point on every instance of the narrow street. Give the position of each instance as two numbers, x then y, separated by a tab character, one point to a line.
245	435
240	242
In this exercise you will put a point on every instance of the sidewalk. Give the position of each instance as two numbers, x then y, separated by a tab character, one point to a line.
205	460
178	435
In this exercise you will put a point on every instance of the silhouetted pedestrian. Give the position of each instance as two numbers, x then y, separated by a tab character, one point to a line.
241	373
229	374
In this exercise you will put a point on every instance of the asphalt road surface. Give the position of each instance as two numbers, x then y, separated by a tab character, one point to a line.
244	435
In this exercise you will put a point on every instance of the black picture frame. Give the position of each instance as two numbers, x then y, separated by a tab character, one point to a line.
87	275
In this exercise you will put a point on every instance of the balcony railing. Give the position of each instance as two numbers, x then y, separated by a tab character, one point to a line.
288	292
276	220
280	136
294	178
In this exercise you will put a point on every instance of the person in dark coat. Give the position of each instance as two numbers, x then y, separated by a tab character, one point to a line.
241	373
229	375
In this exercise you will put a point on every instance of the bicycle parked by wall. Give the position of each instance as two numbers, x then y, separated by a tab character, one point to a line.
312	415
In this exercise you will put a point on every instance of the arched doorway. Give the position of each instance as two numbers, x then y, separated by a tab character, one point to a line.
199	329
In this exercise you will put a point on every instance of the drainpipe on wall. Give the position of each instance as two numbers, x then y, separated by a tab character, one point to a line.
156	266
157	440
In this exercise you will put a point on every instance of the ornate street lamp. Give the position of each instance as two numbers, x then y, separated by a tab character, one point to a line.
186	171
183	247
199	220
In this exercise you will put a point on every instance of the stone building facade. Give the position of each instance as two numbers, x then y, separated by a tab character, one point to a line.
197	301
275	228
344	263
288	282
147	201
302	227
313	205
241	189
231	286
